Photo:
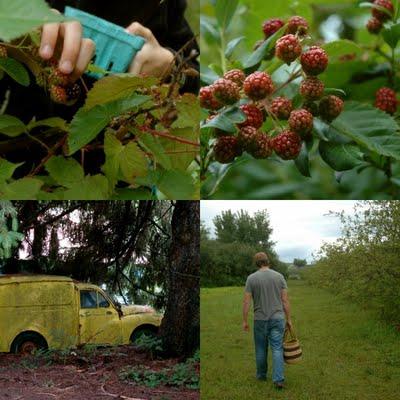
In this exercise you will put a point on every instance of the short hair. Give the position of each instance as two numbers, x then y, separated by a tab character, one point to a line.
261	259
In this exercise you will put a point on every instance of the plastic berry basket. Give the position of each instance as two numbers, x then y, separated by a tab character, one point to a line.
115	48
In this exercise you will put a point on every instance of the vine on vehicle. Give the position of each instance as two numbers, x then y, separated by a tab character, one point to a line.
274	104
144	131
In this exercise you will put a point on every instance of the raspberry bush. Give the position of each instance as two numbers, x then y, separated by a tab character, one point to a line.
315	115
132	137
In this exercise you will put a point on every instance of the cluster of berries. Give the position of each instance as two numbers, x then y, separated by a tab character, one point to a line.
385	100
380	14
257	91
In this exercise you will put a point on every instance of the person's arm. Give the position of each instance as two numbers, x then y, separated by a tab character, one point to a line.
286	307
246	308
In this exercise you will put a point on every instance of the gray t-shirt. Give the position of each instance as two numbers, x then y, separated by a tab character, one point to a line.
265	288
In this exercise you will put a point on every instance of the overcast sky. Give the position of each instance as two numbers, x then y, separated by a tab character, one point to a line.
299	227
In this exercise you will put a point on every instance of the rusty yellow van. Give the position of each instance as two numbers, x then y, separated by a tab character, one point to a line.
40	311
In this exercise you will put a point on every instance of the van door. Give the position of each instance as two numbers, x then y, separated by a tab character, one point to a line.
99	320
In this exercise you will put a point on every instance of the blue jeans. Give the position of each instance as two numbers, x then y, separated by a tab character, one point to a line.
269	332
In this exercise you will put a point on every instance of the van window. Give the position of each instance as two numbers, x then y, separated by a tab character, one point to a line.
93	299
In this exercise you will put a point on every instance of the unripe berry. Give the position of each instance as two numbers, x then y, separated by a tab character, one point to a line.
382	16
314	61
312	88
298	25
287	145
207	99
386	100
226	149
281	107
330	107
258	86
66	96
236	75
374	25
3	51
226	91
58	78
301	122
288	48
270	26
255	117
262	147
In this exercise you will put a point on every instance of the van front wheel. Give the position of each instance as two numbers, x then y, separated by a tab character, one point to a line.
27	343
148	331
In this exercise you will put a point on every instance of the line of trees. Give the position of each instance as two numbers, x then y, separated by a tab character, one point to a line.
364	263
226	255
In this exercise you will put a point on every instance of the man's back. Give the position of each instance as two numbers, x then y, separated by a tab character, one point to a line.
266	287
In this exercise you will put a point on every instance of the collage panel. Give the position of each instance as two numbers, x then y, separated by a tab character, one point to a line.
98	100
99	300
300	99
300	300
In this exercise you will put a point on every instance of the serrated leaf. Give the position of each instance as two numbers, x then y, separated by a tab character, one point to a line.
7	170
15	70
23	189
91	188
370	128
18	17
340	157
178	185
66	172
11	126
188	109
153	145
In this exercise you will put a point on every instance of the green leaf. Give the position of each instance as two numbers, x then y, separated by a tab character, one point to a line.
129	194
302	162
392	35
379	8
7	170
178	185
23	189
153	145
340	157
66	172
18	17
224	11
11	126
91	188
227	119
370	128
86	125
54	122
188	109
16	70
232	45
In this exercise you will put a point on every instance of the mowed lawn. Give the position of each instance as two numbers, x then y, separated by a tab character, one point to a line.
348	353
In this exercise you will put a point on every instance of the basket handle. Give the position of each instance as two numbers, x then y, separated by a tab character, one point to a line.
290	332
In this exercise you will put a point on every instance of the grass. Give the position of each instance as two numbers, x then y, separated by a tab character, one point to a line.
348	354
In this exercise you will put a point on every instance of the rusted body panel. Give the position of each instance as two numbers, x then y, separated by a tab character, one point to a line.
51	306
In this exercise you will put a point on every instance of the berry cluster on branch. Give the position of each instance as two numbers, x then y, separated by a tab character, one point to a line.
381	12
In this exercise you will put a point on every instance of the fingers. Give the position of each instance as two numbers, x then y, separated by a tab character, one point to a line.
49	40
140	30
72	33
88	49
138	62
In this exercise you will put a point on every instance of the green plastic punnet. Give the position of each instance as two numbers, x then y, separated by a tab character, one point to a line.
115	48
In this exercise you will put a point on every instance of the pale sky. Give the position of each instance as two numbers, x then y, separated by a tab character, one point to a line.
299	227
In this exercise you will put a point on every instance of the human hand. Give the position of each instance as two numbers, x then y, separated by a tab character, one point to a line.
153	59
289	324
245	326
66	38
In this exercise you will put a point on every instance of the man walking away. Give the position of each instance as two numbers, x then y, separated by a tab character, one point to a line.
268	289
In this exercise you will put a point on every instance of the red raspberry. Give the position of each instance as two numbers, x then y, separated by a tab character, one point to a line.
226	149
301	121
258	86
262	146
3	51
330	107
207	99
270	26
382	16
281	107
297	24
312	88
246	138
255	117
57	78
288	48
226	91
386	100
287	145
374	25
236	75
314	61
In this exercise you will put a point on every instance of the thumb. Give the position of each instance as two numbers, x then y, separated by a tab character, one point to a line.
138	29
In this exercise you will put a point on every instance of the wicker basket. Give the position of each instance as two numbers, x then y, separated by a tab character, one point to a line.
292	352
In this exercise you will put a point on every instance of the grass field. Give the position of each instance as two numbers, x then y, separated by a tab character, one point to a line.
347	352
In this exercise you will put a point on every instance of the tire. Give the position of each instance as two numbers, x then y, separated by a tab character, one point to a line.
27	343
150	331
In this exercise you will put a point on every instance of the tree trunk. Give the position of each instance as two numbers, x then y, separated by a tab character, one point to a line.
180	329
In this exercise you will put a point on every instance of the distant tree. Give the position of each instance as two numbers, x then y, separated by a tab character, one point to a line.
204	231
10	238
299	263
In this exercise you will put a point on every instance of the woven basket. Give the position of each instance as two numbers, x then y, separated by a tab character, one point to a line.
292	352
